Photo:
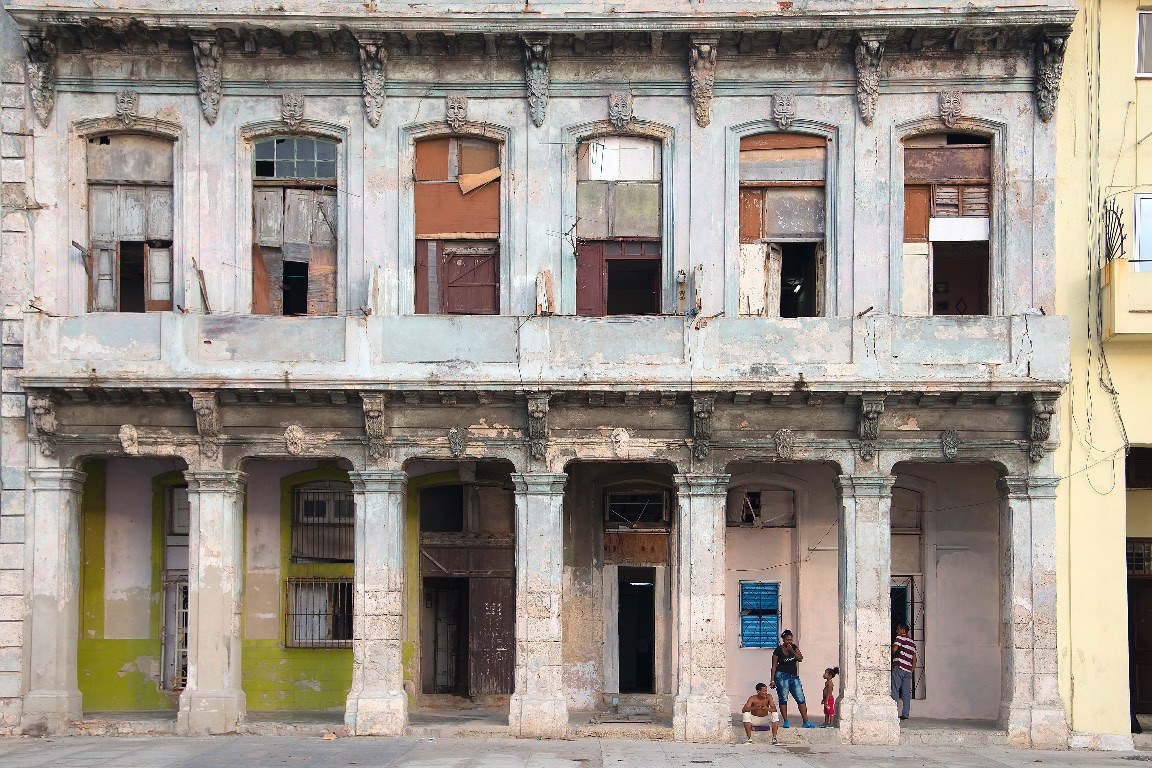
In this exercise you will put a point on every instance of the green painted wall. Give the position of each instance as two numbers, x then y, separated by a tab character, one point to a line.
275	676
117	674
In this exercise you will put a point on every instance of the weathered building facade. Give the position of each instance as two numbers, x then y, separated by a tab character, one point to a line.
376	357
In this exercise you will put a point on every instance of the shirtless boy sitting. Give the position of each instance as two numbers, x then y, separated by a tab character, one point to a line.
760	711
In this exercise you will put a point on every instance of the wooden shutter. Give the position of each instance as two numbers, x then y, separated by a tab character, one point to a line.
268	212
469	278
132	221
917	212
299	212
591	280
751	214
104	263
159	226
157	279
261	293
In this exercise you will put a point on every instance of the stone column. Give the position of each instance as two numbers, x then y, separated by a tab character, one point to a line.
377	703
867	712
213	701
701	710
1031	710
538	707
53	699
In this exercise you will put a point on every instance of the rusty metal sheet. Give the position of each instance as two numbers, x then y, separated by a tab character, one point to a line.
491	636
592	209
794	212
635	548
591	280
943	164
131	158
776	165
781	141
917	212
636	209
268	215
432	160
751	215
442	209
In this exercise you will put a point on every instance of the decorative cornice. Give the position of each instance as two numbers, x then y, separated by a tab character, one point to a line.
537	74
702	73
207	53
701	484
218	480
869	59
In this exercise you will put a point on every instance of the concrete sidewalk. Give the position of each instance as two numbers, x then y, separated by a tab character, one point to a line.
275	752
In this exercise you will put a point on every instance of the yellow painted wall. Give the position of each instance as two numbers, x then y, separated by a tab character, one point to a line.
1104	113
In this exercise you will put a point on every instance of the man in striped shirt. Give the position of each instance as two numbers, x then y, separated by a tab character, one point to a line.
903	662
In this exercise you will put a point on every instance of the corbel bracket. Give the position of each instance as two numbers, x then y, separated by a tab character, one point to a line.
207	411
207	53
702	73
869	58
1049	68
537	75
1040	425
373	75
41	66
871	406
538	423
703	407
375	404
43	414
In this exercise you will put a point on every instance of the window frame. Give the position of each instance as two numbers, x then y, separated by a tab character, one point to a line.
1140	13
771	639
1139	264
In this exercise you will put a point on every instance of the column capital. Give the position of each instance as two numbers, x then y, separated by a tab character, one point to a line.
861	486
379	480
1028	486
540	483
702	484
225	480
56	478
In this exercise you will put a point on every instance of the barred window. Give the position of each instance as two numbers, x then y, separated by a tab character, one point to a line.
323	523
319	613
1140	557
636	509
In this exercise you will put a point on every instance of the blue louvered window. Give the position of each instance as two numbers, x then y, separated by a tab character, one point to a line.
759	614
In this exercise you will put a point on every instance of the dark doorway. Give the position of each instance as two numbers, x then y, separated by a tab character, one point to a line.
960	274
799	271
447	599
1140	643
637	626
295	288
633	286
131	277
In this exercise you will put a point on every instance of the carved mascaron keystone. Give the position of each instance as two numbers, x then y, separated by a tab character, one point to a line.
207	52
620	109
537	77
702	72
373	75
783	109
951	107
456	111
41	65
292	108
869	57
127	107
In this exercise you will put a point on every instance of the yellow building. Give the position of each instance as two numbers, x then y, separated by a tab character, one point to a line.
1104	253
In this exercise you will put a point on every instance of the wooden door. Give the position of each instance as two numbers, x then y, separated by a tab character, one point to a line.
591	280
1140	643
469	278
491	635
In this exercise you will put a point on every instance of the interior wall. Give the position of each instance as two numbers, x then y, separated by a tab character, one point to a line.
961	653
1138	509
119	653
808	588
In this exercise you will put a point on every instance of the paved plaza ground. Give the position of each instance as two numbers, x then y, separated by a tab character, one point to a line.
314	752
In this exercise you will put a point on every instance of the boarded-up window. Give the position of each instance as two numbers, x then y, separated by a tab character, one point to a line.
782	223
618	207
457	211
294	223
130	213
947	207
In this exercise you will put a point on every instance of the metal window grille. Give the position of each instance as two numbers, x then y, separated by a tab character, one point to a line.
319	613
1139	557
759	614
176	632
907	596
323	523
637	509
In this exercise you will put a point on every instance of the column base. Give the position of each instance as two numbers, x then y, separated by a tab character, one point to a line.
1035	726
50	713
702	718
869	720
539	716
377	713
203	713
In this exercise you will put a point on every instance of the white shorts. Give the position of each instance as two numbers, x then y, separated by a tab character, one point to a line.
771	717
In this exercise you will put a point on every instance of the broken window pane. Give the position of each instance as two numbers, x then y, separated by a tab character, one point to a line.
295	158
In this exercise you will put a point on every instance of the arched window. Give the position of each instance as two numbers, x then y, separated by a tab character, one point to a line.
129	223
947	213
619	249
457	202
294	227
782	225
